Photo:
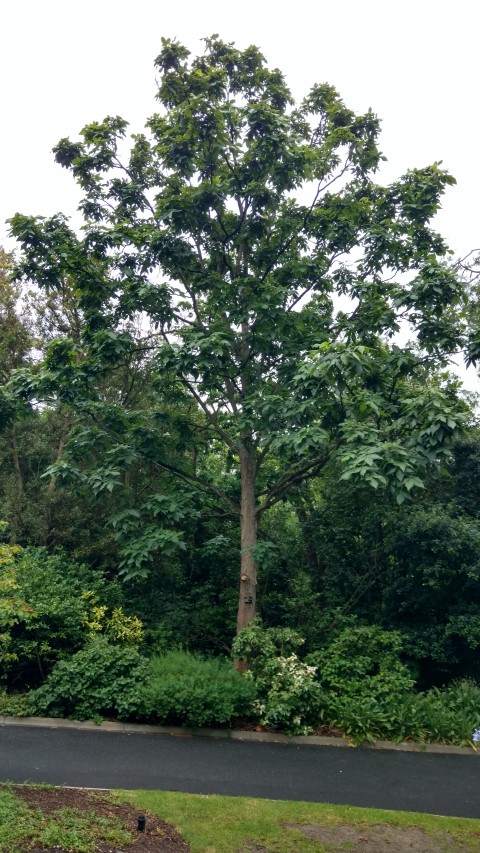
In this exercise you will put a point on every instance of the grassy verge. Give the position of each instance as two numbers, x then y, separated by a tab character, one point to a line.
214	824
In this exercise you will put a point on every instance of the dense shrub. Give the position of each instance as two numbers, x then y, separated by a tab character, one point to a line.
437	716
13	609
288	696
184	688
433	591
363	663
101	679
14	704
48	608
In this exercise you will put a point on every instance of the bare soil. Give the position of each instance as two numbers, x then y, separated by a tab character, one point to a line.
381	839
158	837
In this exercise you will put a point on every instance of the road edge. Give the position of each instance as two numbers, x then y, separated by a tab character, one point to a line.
230	734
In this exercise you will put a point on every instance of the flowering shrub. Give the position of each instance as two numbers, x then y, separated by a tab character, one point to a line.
288	696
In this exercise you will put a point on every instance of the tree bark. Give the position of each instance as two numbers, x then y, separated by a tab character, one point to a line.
310	550
16	463
248	541
17	506
61	447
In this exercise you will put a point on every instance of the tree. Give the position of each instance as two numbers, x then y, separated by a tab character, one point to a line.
274	274
16	341
468	268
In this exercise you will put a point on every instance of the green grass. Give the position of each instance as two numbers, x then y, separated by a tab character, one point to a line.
22	827
214	824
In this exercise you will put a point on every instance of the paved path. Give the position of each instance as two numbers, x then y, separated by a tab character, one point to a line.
439	784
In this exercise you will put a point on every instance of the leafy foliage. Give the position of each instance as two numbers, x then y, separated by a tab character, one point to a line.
288	697
12	608
233	227
116	626
436	716
48	608
13	704
183	688
433	590
363	663
100	679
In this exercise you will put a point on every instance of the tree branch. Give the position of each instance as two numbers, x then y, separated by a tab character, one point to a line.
279	489
191	479
211	416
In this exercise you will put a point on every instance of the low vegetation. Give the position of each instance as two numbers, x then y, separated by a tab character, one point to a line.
357	685
73	821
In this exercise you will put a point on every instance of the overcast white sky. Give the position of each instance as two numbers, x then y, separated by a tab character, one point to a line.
64	64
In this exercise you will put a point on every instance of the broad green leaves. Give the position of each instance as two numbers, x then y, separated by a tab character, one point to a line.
244	246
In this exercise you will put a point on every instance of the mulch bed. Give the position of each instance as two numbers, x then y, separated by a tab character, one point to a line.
243	724
159	837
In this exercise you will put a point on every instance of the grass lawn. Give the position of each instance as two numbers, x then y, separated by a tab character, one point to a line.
213	824
41	818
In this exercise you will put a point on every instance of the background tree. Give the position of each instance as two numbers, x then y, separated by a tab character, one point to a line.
274	273
16	341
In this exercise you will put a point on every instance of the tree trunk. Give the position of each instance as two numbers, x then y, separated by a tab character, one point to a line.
248	541
61	447
310	550
17	506
16	463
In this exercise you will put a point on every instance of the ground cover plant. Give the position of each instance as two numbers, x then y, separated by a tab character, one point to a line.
42	819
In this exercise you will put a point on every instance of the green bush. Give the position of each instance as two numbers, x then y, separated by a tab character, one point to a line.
100	680
363	663
47	604
288	696
183	688
451	715
14	704
437	716
257	645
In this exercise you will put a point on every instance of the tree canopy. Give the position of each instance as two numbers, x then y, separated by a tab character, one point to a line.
242	248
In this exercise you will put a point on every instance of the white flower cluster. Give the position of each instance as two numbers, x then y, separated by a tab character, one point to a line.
298	671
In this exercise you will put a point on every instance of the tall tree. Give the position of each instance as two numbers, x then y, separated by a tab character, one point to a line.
469	270
274	273
16	341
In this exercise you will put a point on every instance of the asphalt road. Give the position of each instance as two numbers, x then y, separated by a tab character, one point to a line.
439	784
